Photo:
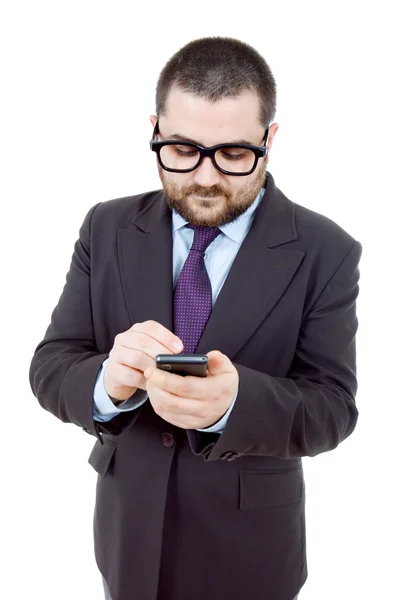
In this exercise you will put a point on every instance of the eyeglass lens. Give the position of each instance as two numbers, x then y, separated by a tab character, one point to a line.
233	159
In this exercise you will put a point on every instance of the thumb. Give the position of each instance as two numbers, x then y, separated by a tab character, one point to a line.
216	362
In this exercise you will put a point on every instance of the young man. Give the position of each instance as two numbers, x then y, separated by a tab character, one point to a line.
200	488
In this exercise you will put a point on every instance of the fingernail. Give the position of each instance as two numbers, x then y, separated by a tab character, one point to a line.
177	346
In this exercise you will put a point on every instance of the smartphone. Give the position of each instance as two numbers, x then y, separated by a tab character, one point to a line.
183	364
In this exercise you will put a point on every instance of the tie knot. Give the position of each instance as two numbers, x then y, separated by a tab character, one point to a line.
203	236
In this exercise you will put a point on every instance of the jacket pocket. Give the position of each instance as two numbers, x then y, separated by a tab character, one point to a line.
101	456
268	489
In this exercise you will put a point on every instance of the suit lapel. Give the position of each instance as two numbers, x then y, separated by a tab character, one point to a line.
259	275
145	260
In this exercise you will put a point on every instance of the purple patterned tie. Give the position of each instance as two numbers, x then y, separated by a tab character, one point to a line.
193	294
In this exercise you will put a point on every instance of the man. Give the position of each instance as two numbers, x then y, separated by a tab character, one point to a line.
200	489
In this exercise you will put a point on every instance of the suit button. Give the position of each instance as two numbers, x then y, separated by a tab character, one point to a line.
168	439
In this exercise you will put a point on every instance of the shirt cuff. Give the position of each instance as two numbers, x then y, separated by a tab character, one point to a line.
104	408
220	425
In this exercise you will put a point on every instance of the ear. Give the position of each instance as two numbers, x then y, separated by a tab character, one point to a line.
153	120
272	131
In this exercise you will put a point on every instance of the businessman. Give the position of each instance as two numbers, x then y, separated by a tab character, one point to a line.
200	491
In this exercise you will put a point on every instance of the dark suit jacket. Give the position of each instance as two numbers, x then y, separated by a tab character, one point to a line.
208	515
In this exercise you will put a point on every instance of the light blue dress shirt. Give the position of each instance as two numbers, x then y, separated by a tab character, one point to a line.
218	260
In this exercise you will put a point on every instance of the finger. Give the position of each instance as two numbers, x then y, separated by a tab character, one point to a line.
136	359
188	387
129	377
148	346
165	338
168	403
129	364
218	363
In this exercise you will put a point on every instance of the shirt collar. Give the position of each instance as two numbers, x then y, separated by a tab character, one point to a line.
235	229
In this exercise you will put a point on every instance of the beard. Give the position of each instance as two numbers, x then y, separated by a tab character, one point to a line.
216	206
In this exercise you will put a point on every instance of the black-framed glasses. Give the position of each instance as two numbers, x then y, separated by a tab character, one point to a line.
182	157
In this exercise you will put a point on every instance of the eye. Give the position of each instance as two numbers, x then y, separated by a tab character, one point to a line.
187	153
185	150
234	154
230	156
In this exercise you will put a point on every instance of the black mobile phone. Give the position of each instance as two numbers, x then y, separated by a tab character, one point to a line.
183	364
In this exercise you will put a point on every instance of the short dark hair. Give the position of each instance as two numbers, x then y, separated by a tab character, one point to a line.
216	68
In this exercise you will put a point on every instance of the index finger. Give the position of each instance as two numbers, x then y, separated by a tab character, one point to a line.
160	333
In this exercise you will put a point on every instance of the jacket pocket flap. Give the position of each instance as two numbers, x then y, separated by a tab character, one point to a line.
101	456
267	489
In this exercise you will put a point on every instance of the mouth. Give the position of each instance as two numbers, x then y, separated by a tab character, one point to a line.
206	197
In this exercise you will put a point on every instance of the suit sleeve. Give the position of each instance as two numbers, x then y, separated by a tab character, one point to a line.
313	409
66	363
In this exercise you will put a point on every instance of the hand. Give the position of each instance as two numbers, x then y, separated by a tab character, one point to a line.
133	352
193	402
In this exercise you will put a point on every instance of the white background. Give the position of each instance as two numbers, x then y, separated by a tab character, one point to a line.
78	86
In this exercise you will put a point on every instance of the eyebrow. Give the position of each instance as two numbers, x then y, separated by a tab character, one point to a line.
178	136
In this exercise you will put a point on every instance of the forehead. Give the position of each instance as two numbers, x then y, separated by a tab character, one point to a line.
211	123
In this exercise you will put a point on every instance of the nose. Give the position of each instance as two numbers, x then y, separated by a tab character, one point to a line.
206	174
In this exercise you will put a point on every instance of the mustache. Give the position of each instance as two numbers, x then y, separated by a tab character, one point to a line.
203	194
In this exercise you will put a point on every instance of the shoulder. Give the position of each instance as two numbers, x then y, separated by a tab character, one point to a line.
121	211
321	237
